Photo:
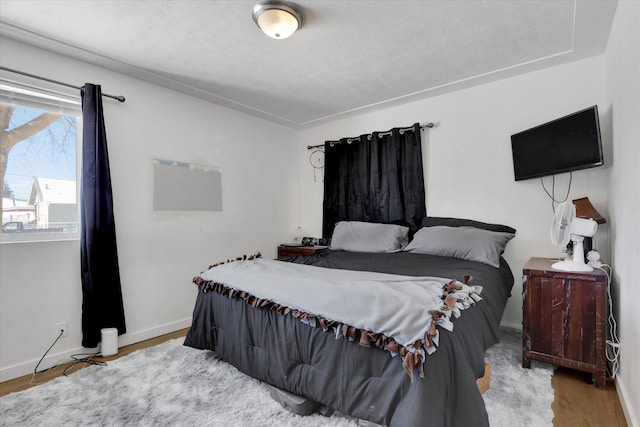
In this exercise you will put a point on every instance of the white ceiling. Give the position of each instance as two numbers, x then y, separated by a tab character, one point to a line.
349	57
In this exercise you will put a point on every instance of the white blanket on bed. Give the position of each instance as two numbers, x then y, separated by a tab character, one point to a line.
394	305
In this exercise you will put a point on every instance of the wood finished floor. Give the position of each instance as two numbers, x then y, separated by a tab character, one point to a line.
577	403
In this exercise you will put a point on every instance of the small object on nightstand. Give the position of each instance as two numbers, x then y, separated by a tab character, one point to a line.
309	241
564	318
594	258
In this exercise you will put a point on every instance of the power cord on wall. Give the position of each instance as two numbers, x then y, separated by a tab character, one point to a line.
35	370
76	361
552	195
613	344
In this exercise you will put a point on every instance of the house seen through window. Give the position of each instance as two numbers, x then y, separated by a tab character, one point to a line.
39	140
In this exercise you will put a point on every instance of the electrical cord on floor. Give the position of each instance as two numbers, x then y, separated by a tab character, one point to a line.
613	345
86	360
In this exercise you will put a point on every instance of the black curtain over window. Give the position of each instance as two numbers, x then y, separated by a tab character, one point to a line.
102	305
374	178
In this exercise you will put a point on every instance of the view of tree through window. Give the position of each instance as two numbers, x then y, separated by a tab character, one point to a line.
38	165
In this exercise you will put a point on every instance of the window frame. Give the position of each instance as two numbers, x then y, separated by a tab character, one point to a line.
30	96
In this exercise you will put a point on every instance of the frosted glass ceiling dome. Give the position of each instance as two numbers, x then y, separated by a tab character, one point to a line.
277	19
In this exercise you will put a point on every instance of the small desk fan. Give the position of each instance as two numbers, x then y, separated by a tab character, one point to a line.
567	227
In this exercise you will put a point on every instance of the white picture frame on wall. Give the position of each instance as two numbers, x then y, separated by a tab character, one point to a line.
185	187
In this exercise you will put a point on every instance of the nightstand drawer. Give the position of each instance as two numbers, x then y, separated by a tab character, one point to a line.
285	251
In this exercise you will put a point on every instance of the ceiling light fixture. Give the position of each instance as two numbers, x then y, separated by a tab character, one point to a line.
277	19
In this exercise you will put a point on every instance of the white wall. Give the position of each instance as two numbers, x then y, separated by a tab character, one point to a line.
623	90
159	252
469	169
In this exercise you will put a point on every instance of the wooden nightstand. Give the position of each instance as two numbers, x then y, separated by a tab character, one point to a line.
564	318
285	251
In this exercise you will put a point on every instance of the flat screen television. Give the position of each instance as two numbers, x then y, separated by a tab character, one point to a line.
567	144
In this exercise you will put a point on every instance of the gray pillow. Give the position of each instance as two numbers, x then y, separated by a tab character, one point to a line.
357	236
470	243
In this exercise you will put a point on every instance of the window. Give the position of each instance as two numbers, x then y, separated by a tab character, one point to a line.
38	163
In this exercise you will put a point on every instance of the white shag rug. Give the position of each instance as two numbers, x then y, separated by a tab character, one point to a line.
518	396
174	385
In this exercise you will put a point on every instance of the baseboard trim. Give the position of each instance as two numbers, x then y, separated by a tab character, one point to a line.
627	408
136	337
512	325
26	368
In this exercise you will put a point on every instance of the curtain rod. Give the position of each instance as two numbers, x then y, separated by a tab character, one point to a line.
422	126
118	98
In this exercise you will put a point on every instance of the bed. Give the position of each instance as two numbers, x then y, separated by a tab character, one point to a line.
289	352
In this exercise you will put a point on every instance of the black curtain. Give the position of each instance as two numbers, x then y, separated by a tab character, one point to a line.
102	305
374	178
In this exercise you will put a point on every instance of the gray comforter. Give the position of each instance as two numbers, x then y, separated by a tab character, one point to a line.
366	383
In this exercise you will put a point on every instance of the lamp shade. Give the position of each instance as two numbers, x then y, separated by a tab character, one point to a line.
277	19
584	209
